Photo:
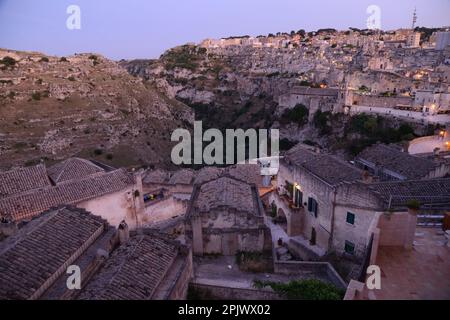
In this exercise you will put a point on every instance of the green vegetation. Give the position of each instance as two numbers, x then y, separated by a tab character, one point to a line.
321	120
36	96
373	129
63	59
311	289
413	204
364	89
8	61
185	57
71	78
286	144
44	59
299	115
254	261
273	209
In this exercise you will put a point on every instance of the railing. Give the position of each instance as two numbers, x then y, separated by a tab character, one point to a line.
290	203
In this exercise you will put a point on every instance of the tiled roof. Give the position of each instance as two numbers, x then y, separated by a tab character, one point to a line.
25	205
431	192
40	249
315	91
157	176
183	176
73	168
250	173
207	173
327	167
134	270
409	166
225	192
23	179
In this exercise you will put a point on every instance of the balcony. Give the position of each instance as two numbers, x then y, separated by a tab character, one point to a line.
289	202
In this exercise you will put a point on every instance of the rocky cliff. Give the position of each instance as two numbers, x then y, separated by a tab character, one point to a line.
55	107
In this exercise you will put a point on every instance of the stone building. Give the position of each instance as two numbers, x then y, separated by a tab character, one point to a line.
313	98
332	206
167	194
148	266
34	260
110	193
312	194
390	163
226	216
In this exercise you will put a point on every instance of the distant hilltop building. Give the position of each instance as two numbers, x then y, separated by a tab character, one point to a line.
442	40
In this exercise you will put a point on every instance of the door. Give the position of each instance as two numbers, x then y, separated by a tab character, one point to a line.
298	198
313	237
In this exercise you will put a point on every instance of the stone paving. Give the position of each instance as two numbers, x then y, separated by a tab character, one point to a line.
420	274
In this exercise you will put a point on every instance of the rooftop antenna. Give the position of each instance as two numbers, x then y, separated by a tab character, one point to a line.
414	21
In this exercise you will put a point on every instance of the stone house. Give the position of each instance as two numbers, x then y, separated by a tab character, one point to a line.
113	194
332	206
390	163
314	193
34	260
147	266
226	216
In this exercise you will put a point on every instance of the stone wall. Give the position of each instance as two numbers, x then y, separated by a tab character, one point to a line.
397	229
378	101
315	188
162	210
114	207
322	270
214	292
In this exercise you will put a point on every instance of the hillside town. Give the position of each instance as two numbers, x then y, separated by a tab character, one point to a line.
363	177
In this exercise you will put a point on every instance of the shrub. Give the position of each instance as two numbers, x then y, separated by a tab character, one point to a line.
299	114
286	144
44	59
98	152
109	156
8	61
321	121
413	204
274	209
36	96
71	78
63	59
311	289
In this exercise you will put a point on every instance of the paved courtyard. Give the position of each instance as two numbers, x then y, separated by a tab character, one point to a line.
422	273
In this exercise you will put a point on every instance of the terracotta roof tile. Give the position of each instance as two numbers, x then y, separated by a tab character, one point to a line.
40	249
23	179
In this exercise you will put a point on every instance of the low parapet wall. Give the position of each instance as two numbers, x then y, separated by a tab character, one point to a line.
312	269
215	292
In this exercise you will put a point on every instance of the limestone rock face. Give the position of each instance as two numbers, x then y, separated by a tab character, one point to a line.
56	107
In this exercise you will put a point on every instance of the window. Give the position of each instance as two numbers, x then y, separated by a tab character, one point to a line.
350	218
349	247
312	206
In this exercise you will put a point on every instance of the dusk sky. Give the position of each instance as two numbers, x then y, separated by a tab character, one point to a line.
125	29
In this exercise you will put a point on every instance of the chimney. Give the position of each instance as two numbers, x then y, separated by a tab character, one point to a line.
367	177
124	232
7	228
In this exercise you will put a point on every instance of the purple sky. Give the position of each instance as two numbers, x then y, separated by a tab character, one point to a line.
146	28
